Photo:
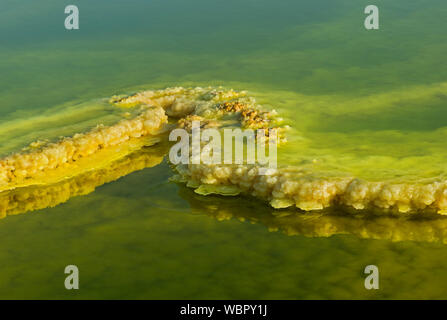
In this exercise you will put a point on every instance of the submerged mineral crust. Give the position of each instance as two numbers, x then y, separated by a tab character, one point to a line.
217	108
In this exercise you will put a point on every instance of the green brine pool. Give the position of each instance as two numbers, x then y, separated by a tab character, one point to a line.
365	118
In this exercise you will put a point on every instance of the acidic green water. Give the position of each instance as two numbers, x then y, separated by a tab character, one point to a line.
368	103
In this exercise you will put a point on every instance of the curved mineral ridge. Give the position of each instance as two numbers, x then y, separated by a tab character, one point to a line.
49	163
287	186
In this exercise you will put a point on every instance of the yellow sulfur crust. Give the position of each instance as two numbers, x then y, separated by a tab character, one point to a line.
283	187
55	161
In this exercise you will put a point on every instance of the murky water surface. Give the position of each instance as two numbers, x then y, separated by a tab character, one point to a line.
369	104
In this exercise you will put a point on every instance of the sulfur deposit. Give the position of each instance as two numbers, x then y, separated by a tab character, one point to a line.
284	187
40	162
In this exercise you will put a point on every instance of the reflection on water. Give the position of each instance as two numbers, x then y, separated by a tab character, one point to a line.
291	222
430	228
25	199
